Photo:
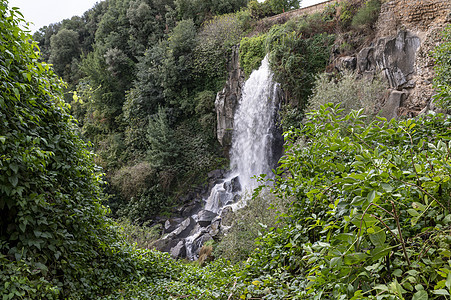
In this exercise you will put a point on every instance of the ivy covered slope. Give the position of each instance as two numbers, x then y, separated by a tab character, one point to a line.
55	239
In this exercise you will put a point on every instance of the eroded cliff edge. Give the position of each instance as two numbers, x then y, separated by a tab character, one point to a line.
406	33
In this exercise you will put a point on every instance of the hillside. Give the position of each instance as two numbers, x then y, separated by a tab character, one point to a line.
358	207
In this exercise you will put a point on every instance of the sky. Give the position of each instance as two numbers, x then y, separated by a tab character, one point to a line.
45	12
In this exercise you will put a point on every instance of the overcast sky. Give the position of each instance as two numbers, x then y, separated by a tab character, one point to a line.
45	12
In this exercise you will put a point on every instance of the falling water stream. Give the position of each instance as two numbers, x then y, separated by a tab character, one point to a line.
251	153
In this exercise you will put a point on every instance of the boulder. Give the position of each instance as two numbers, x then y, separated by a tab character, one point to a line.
171	224
165	244
179	250
391	105
233	185
183	230
215	226
205	217
191	208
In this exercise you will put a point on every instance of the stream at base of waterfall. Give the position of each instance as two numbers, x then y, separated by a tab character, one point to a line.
252	154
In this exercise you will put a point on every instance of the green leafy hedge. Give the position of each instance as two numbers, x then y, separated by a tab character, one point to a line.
371	211
252	52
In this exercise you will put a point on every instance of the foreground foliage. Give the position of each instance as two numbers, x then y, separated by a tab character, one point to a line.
371	216
442	80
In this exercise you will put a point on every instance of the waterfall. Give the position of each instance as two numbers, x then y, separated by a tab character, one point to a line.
253	142
251	152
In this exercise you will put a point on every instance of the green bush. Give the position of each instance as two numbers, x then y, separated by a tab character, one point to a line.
346	90
252	52
370	211
367	14
442	79
250	222
55	238
214	43
269	8
295	60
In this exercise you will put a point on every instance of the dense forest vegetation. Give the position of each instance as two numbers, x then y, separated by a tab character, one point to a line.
361	205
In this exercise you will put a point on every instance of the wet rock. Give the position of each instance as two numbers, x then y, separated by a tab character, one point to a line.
215	174
215	226
233	185
171	224
179	250
165	244
191	208
205	217
227	100
183	230
199	242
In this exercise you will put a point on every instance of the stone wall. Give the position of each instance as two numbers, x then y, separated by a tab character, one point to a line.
319	7
416	15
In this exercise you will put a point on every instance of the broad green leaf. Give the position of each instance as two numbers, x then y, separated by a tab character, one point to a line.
381	287
13	180
371	196
335	261
413	212
441	292
420	295
448	281
378	237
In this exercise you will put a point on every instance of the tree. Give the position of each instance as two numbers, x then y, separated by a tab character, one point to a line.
65	47
280	6
55	239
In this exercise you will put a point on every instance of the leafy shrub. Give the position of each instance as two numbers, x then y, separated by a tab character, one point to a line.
370	211
202	10
442	79
132	180
367	14
295	61
252	52
348	91
346	10
269	8
257	217
214	44
142	236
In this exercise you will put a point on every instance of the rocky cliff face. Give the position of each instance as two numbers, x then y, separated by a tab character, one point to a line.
406	32
227	100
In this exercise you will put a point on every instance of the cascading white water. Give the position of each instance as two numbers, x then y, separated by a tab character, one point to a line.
250	155
251	152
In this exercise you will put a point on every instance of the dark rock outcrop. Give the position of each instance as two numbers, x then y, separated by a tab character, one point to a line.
205	217
227	100
395	57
